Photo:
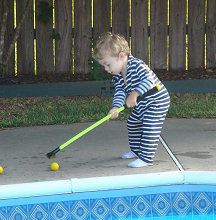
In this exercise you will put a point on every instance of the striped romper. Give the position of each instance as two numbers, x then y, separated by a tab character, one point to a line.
146	120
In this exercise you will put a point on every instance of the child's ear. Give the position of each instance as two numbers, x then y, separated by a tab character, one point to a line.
121	55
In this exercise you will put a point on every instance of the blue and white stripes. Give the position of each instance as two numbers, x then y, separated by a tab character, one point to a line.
139	77
147	118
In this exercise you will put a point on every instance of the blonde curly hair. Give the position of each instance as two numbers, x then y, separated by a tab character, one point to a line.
110	44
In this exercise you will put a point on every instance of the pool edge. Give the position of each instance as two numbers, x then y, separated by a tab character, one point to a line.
77	185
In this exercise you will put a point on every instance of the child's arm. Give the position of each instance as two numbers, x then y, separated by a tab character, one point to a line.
119	94
118	99
147	80
115	115
131	100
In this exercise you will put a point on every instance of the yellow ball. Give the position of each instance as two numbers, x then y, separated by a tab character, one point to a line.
1	170
54	166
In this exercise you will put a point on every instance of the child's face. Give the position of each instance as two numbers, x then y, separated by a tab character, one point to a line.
113	65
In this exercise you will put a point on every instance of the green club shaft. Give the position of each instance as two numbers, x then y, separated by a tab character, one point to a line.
89	128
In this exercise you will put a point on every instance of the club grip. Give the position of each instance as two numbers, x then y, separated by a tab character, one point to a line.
149	92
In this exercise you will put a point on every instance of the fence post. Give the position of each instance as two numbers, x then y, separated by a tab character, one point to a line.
177	35
101	17
25	42
139	29
44	38
120	18
63	36
9	70
82	36
196	34
211	34
158	34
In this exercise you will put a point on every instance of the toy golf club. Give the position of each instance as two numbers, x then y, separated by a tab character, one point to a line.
52	154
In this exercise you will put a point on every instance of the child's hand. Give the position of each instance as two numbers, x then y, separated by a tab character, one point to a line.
114	115
131	100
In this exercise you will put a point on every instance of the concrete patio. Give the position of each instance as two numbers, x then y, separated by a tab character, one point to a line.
191	147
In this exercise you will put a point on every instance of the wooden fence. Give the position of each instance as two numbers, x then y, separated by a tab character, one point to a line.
173	43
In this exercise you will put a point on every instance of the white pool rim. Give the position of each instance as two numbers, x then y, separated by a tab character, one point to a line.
81	185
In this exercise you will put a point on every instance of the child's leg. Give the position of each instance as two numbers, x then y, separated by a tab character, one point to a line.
134	126
135	133
144	135
146	124
152	125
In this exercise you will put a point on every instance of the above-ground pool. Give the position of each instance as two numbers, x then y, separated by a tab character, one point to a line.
167	195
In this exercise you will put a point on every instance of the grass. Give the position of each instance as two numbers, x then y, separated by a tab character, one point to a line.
19	112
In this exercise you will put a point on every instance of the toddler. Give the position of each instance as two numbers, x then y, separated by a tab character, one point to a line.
132	79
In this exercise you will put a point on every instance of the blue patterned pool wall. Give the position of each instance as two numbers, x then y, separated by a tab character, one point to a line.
139	203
